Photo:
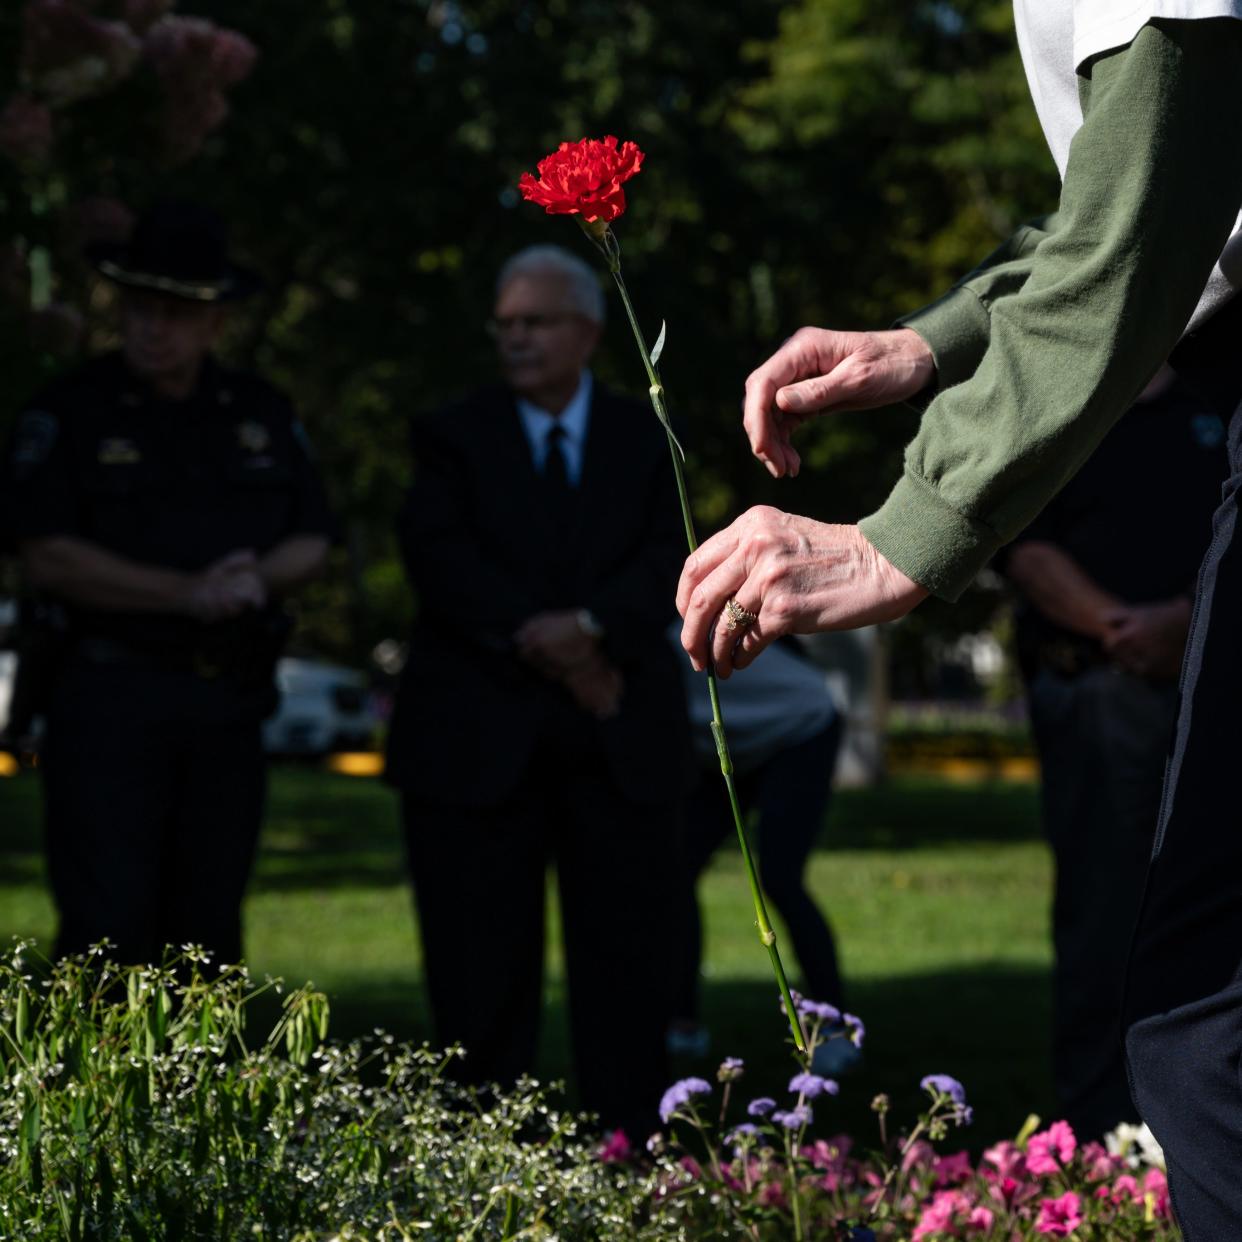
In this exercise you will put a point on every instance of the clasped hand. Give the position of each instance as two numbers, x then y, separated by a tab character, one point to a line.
227	588
797	575
554	643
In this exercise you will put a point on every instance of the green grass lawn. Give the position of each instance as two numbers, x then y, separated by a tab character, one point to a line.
939	895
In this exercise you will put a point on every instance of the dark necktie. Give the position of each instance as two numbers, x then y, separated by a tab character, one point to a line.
556	483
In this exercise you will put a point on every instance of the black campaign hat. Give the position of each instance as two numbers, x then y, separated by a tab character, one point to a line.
179	249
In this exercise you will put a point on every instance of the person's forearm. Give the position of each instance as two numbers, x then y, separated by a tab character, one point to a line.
1059	587
1151	192
82	572
292	563
957	326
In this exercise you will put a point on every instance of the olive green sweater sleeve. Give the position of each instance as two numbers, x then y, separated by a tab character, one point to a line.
1151	191
957	326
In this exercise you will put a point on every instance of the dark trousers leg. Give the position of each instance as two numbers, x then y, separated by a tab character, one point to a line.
109	788
1102	738
1184	987
153	788
617	891
792	795
479	877
209	853
708	823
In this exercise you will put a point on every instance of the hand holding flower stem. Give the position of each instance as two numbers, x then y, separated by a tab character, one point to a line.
584	179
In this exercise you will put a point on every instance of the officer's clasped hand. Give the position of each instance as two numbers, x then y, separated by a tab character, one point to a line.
227	588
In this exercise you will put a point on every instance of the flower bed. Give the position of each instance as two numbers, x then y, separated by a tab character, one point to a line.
136	1106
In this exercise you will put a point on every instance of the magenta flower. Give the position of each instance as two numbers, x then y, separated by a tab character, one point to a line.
1052	1149
1058	1218
616	1149
951	1170
1156	1185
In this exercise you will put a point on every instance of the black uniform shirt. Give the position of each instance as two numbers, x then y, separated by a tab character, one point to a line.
170	484
1138	516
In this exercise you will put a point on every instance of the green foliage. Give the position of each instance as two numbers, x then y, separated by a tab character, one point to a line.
135	1108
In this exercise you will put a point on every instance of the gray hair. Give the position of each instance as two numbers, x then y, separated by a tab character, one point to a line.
584	291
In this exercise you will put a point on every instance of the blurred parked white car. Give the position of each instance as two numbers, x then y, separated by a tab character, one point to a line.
323	708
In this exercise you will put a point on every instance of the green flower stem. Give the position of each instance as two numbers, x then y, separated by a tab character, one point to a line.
606	240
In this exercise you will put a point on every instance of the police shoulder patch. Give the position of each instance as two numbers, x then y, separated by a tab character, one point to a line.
33	440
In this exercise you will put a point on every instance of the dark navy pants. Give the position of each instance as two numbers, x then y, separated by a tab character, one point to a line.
1184	990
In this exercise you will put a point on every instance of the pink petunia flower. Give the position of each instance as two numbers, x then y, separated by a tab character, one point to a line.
1058	1218
953	1170
1052	1149
1007	1161
939	1215
616	1149
1156	1185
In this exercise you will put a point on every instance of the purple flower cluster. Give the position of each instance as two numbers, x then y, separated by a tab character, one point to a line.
943	1085
819	1011
761	1107
681	1093
854	1025
812	1085
794	1118
730	1070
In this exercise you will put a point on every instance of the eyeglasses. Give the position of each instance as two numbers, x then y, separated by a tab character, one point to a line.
529	323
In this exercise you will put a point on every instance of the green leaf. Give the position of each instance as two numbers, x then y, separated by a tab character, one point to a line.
658	348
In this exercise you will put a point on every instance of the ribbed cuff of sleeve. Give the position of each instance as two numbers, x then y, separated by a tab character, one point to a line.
956	328
928	539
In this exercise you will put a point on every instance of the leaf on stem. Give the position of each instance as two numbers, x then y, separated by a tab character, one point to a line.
658	348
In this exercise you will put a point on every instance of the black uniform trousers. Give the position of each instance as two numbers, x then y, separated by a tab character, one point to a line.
479	880
153	784
1184	986
1102	737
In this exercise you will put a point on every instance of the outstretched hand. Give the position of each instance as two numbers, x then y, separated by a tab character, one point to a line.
819	370
797	575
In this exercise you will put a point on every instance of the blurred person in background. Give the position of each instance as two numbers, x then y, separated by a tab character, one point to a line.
539	717
1106	575
163	506
784	736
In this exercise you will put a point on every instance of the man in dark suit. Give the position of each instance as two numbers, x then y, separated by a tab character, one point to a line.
540	716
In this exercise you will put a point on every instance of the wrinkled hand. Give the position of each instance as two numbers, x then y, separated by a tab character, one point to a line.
798	575
818	370
554	642
597	687
1149	639
226	588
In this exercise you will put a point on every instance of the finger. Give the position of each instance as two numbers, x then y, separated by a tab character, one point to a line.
756	640
846	386
725	640
711	552
704	605
765	435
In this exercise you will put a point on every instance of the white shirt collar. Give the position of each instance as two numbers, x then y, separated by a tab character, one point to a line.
573	419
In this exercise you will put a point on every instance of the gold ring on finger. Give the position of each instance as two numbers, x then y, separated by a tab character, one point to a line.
737	617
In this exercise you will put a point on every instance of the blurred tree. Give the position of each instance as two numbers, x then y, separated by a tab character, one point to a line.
828	161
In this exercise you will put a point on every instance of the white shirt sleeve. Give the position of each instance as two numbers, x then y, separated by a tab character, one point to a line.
1102	25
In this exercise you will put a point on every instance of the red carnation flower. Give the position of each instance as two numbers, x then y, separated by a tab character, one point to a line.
584	178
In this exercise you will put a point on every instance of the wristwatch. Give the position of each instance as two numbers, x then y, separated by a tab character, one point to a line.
589	623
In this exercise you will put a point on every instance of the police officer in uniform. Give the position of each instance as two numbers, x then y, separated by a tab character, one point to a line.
168	505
